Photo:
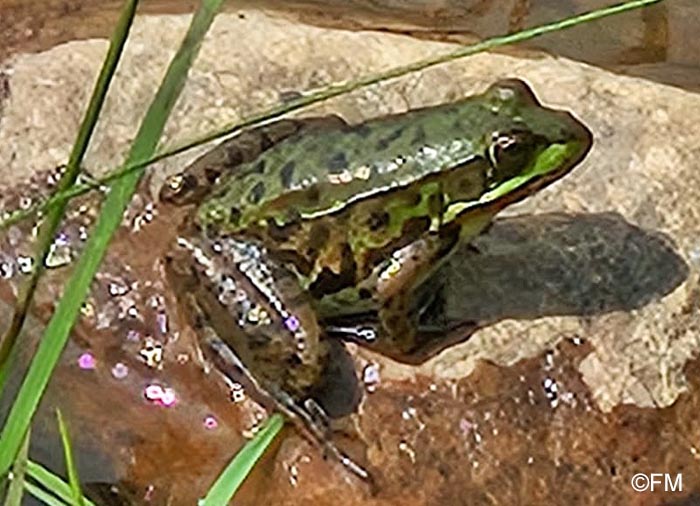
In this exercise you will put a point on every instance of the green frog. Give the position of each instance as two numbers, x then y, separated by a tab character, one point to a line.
301	228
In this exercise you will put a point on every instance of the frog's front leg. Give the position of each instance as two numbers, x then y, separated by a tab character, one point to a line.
403	289
257	325
193	184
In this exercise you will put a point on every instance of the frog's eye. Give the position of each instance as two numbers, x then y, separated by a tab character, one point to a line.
510	153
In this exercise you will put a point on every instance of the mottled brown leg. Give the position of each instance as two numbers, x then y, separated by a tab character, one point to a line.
258	327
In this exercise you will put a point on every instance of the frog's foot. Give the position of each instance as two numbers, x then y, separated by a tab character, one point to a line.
333	453
314	425
362	334
310	419
425	339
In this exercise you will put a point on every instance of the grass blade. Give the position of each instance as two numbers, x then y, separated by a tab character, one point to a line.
238	469
326	93
50	481
68	308
73	481
19	470
48	228
43	496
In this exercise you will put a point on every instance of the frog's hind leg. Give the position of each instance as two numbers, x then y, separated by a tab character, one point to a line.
257	326
192	185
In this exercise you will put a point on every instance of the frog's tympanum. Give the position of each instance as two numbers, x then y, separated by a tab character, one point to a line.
302	228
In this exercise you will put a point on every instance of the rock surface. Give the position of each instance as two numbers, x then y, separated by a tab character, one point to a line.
563	404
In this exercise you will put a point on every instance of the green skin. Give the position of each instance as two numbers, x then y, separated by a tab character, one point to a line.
304	225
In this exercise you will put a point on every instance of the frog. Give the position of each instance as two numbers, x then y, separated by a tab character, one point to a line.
306	231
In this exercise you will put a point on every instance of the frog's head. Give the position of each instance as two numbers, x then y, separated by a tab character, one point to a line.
527	146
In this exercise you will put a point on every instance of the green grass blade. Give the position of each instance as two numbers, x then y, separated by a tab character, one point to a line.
12	360
238	469
327	93
68	308
73	481
19	471
48	228
43	496
50	481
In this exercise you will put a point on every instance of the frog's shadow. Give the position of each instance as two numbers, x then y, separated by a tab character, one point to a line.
528	267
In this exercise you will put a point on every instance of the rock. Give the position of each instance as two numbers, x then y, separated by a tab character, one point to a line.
513	429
